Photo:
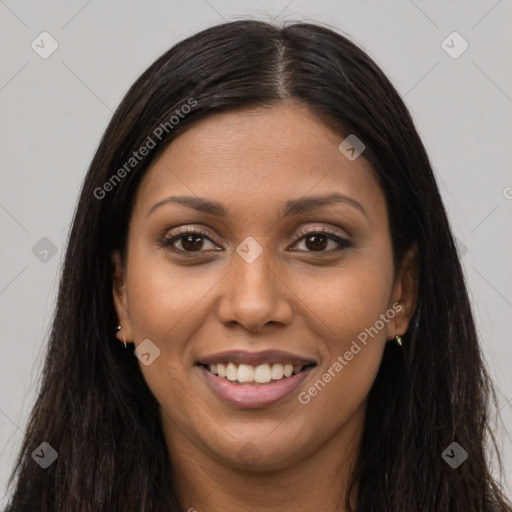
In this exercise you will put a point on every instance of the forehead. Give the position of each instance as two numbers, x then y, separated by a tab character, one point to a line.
253	158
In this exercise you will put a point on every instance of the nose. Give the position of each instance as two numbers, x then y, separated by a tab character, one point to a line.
255	294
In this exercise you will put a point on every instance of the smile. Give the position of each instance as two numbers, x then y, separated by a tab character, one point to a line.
255	375
252	394
245	379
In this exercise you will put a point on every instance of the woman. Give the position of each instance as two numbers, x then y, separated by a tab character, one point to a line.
261	230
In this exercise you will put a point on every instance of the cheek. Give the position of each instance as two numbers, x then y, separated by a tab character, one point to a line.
163	306
350	310
167	305
163	296
349	298
354	348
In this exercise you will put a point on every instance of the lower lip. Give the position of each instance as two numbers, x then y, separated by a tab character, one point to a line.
247	396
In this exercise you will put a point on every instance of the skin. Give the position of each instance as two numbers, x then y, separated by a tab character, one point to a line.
306	301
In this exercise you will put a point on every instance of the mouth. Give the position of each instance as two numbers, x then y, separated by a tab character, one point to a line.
254	380
251	375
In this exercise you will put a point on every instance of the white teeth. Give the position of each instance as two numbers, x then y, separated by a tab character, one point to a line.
261	374
277	371
288	370
231	372
245	373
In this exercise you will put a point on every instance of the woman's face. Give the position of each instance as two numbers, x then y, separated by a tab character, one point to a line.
254	279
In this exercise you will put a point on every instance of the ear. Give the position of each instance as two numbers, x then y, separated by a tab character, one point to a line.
121	298
405	292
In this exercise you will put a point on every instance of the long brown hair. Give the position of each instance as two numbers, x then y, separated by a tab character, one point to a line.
94	407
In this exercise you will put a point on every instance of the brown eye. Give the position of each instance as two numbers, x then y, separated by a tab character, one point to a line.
318	241
191	241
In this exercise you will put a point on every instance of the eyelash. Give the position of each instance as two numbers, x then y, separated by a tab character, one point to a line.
167	241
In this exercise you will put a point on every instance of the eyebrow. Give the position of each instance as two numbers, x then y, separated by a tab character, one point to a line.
291	207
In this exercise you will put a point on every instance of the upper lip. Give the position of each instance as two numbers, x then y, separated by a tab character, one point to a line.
256	358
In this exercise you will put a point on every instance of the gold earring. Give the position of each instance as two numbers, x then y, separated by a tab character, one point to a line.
118	328
398	340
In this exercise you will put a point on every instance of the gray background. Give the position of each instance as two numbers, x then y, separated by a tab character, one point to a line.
54	111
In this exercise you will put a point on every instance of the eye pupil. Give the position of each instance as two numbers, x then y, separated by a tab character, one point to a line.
318	242
192	242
